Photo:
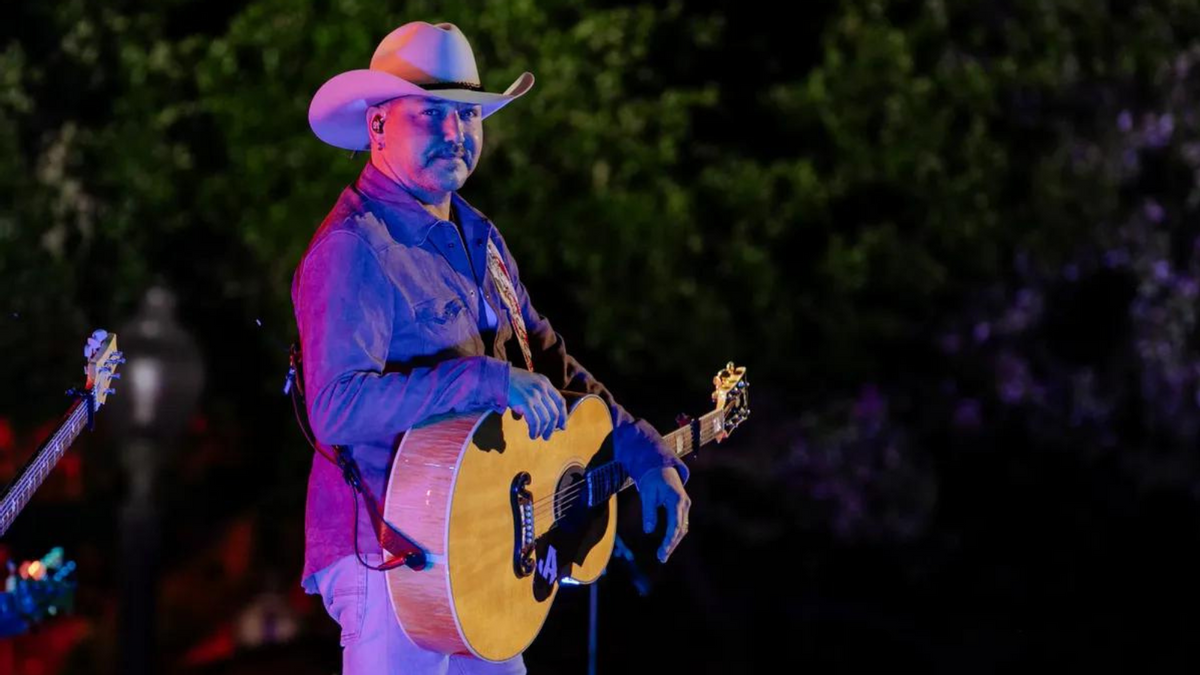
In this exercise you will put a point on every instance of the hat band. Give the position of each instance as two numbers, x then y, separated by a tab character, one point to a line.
451	85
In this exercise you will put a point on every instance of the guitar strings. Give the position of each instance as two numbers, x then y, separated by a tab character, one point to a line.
583	484
609	466
28	482
570	496
548	499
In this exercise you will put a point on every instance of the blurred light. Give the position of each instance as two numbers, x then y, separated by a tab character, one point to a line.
146	378
268	620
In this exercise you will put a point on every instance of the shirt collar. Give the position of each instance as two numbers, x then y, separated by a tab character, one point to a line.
408	221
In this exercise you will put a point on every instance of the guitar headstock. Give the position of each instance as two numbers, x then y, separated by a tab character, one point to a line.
102	361
732	395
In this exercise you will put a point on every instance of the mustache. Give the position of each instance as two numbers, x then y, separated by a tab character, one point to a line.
454	152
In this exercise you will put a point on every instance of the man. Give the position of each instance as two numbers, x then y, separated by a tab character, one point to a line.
401	318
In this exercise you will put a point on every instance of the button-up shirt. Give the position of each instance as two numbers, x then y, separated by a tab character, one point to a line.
390	301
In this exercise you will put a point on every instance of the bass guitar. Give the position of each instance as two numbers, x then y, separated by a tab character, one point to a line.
102	361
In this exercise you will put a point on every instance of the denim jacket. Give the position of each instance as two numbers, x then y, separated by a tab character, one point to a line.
389	300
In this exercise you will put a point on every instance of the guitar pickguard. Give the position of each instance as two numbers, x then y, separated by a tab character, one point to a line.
576	531
489	437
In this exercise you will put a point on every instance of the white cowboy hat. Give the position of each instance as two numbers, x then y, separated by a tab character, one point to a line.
416	59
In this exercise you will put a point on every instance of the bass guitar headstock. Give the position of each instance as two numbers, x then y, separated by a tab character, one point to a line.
102	361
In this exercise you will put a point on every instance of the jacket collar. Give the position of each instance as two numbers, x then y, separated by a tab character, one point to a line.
407	220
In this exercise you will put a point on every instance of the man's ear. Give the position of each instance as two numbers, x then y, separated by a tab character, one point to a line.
376	119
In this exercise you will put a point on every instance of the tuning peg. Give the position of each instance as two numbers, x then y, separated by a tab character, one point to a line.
115	376
110	391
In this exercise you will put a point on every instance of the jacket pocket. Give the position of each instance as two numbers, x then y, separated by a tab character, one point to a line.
439	310
444	321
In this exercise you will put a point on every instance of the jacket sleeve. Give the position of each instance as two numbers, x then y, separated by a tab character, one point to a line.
345	308
636	444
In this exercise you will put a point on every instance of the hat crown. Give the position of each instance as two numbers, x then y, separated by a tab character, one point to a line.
424	53
416	59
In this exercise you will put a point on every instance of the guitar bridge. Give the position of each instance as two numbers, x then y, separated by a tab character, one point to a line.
524	541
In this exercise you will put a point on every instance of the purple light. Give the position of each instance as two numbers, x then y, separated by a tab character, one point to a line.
1162	270
1125	121
982	331
967	414
1154	211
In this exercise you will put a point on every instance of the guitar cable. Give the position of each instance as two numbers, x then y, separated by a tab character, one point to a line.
295	387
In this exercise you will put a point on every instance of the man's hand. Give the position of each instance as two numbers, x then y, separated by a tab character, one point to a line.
532	396
663	487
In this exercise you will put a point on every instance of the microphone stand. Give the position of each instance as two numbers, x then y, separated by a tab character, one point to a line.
641	582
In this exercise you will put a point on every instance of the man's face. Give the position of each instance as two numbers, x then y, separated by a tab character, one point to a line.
432	144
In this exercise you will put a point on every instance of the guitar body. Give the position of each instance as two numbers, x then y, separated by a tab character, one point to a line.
452	491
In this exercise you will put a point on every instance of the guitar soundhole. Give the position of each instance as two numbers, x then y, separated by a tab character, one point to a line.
577	528
570	498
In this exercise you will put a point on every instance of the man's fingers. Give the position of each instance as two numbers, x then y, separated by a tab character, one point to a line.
537	416
562	408
529	412
649	513
551	415
672	536
683	506
555	404
677	527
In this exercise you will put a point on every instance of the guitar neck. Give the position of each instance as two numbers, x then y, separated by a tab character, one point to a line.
682	441
33	474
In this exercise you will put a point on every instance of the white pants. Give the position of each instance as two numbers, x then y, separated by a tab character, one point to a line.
372	641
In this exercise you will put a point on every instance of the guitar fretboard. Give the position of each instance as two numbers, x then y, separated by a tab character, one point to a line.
682	440
33	474
610	478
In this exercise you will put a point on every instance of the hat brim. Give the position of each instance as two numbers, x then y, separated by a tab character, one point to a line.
337	113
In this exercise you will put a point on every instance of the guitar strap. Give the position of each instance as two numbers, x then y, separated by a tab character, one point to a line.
508	295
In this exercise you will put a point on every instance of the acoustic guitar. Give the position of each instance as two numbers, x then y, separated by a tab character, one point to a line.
502	519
